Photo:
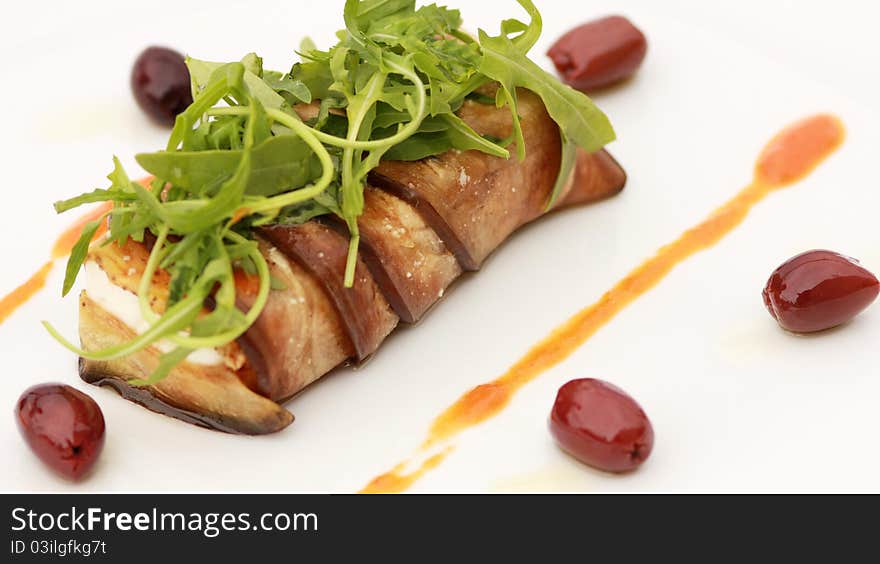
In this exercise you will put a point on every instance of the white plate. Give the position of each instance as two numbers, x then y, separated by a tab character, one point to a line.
736	403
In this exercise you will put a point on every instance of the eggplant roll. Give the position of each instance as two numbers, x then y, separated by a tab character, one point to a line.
424	224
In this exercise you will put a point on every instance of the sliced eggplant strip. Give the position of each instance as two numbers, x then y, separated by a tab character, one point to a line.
596	176
299	336
210	396
482	199
323	251
408	260
409	193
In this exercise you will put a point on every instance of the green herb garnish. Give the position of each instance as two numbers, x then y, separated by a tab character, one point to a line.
241	156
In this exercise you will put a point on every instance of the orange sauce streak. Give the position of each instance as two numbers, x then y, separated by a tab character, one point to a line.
788	158
398	481
62	247
16	298
245	283
65	242
239	214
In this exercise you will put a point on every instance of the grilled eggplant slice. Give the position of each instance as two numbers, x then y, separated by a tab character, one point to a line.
367	317
210	396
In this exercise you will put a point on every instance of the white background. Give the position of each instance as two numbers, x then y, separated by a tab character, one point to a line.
737	404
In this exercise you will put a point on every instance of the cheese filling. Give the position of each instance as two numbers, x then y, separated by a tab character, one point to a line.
124	306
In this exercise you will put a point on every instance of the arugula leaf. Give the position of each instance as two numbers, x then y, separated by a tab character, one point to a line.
440	135
381	10
167	362
569	161
420	146
315	76
96	195
201	73
297	215
279	164
285	84
78	255
577	116
253	64
464	138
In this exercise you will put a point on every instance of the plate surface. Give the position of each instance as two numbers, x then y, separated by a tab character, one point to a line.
737	404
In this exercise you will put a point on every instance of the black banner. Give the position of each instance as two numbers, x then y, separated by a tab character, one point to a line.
245	528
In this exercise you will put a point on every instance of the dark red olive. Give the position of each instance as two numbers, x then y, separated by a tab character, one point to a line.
819	290
63	426
161	84
599	53
600	425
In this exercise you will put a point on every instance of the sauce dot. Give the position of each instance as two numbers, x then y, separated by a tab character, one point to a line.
798	149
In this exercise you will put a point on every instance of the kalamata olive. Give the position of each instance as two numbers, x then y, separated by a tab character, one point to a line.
600	425
599	53
819	290
63	426
161	84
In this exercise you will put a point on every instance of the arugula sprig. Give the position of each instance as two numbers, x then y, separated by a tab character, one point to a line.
242	156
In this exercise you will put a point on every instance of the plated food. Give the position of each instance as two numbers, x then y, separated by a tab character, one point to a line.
295	219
